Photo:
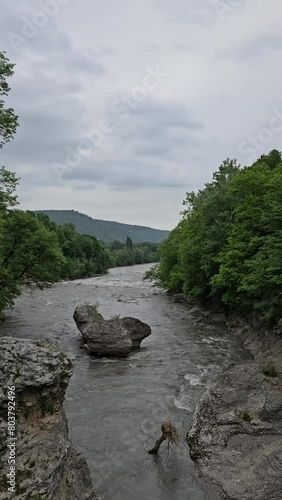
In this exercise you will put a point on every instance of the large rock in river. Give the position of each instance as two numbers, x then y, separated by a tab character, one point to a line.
114	337
47	466
108	338
84	316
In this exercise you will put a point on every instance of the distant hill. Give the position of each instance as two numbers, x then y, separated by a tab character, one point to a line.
105	230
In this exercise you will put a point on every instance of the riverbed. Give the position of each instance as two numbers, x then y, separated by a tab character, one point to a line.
115	407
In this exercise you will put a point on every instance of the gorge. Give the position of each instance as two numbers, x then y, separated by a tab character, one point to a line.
115	407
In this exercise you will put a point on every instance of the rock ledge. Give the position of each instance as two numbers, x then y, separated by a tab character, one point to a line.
236	437
47	467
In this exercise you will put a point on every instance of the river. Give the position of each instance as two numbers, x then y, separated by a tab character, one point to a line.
115	407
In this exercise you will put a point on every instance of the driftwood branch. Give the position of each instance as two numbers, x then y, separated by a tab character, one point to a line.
168	432
158	443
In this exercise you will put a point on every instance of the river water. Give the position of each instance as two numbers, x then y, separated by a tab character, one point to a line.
115	407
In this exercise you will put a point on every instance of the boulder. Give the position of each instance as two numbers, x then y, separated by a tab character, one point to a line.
114	337
138	330
218	317
108	338
47	466
84	315
236	437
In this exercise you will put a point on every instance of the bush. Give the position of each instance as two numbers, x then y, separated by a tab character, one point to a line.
270	370
244	415
152	274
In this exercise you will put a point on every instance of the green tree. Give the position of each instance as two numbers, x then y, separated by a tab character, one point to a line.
208	216
129	244
8	127
116	245
29	254
188	255
170	272
8	184
138	256
228	246
8	119
250	272
84	255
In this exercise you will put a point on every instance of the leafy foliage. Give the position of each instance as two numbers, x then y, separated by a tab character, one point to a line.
8	184
35	251
29	254
129	254
244	415
129	243
228	246
8	119
83	255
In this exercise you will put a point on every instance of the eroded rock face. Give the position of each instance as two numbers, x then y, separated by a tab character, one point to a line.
108	338
48	468
114	337
84	315
138	330
236	437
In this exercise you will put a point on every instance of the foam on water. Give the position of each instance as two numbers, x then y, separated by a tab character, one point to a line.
193	379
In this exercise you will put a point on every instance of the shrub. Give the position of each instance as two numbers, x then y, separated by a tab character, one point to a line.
244	415
270	370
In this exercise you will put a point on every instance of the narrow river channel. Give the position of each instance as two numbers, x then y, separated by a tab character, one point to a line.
115	407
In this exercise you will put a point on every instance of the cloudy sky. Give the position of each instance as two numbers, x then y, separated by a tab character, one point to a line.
126	105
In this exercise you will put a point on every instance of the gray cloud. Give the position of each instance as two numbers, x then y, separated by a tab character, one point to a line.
181	11
146	148
90	54
258	45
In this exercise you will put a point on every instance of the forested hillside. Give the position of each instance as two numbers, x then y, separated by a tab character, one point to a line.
106	231
227	248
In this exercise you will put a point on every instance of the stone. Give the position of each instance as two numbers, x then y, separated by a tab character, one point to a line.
85	314
218	317
108	338
47	466
178	298
138	330
278	328
103	338
115	337
236	437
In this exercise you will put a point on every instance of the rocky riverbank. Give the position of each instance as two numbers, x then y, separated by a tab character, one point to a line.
47	466
236	437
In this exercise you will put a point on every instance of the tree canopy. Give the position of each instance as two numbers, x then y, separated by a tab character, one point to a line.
227	247
8	119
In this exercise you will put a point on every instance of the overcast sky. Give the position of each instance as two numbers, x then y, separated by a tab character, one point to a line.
125	105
